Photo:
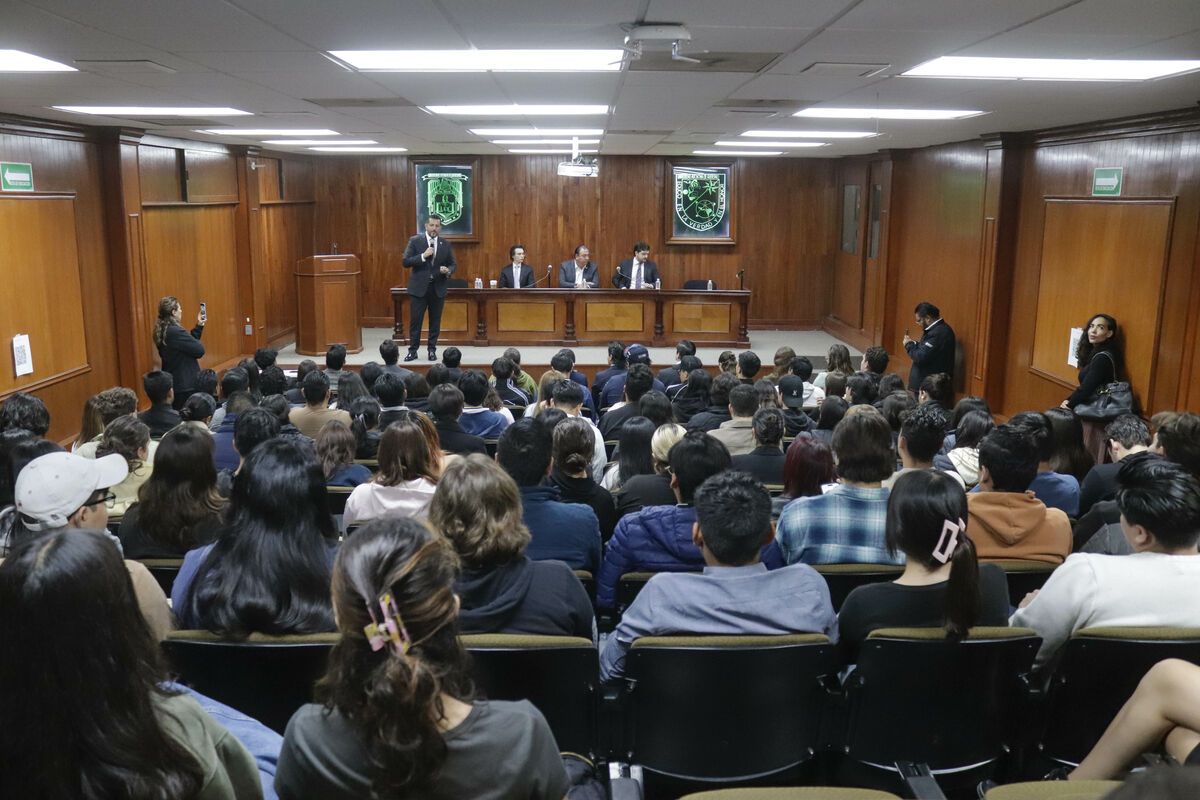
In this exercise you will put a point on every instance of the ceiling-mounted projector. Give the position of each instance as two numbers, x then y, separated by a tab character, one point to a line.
579	168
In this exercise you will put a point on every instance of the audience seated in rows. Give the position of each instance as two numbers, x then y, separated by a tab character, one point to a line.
268	569
674	374
568	532
110	404
179	505
409	469
735	594
613	390
718	405
161	416
335	450
652	488
477	507
802	368
921	433
568	396
807	467
635	382
476	418
129	438
389	351
633	454
446	408
315	412
1159	584
335	361
1127	434
847	523
295	394
225	455
1052	488
765	462
503	371
942	584
233	381
963	455
1006	519
573	446
364	424
737	432
452	358
391	392
251	429
693	396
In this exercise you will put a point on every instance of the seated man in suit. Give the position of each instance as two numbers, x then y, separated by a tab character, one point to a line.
638	272
1158	584
518	273
579	272
735	595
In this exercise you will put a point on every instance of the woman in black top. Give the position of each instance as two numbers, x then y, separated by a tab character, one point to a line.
942	584
1101	362
574	446
179	350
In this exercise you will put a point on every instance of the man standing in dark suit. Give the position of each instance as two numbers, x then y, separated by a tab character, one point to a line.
431	261
579	272
934	353
638	272
518	273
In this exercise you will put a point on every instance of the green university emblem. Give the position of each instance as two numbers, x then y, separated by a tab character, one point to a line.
444	194
700	199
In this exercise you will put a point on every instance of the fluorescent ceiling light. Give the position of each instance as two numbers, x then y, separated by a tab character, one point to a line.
738	152
20	61
319	141
771	144
537	131
482	60
888	113
503	142
154	111
811	134
360	149
1049	69
270	132
560	151
519	110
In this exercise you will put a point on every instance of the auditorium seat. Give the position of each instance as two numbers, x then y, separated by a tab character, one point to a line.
1099	670
950	706
336	496
589	583
724	709
558	674
1023	576
793	793
844	578
264	677
164	571
370	463
1052	790
517	411
491	445
629	586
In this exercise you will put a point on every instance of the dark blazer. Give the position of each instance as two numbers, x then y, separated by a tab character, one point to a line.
455	440
611	422
566	274
764	463
645	490
181	353
624	275
160	419
506	277
933	354
427	274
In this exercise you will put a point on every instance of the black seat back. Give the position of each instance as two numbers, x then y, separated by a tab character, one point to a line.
164	570
845	578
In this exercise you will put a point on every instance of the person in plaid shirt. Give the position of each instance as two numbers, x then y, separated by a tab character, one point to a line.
846	524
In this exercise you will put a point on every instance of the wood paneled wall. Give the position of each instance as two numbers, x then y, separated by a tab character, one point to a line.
785	224
287	214
65	162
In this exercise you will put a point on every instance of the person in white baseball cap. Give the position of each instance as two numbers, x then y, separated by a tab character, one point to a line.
63	490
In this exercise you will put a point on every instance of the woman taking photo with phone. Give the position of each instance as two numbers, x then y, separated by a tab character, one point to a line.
179	350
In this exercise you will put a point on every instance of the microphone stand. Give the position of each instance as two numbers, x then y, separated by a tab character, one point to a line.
549	267
741	276
626	280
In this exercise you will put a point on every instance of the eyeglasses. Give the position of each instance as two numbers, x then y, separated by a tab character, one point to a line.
109	499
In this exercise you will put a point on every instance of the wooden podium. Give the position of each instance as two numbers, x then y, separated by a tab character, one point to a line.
328	304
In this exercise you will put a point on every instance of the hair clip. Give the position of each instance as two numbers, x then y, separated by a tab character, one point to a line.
948	541
389	629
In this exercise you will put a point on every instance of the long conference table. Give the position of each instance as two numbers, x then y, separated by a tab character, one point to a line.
567	317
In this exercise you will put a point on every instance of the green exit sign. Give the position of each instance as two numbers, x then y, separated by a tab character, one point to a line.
1106	181
16	177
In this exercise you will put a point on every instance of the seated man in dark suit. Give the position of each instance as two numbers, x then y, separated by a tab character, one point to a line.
579	272
765	461
638	272
446	406
161	416
518	273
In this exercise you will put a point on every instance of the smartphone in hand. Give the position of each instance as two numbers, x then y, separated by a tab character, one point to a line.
203	312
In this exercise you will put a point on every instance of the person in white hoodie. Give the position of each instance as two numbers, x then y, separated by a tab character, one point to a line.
963	457
1159	584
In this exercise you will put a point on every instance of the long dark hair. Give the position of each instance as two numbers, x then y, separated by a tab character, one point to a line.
406	451
77	726
181	492
1084	350
335	447
633	441
920	504
269	569
1070	457
393	700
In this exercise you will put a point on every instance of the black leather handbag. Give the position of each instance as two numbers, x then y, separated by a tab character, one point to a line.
1110	401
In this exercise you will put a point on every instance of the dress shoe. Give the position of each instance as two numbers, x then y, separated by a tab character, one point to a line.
412	356
432	354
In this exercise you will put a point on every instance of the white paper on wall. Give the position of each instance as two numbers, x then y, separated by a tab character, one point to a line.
22	358
1076	335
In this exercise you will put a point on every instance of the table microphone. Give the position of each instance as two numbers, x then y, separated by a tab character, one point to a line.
544	277
625	279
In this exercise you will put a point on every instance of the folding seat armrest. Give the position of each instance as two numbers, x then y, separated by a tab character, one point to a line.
625	781
920	781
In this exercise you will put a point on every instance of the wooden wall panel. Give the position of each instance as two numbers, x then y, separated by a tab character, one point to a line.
785	226
69	163
191	254
211	177
1156	166
287	238
160	174
266	172
934	243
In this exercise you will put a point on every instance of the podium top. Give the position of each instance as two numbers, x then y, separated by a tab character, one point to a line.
339	264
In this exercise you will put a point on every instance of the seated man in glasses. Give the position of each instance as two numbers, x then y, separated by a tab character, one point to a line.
63	490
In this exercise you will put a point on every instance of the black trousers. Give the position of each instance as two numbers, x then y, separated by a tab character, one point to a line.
417	307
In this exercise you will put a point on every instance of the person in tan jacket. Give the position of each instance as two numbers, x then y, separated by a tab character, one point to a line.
1005	519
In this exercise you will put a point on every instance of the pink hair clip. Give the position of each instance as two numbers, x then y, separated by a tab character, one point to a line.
394	623
948	541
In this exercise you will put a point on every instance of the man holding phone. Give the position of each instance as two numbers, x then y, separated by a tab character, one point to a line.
430	260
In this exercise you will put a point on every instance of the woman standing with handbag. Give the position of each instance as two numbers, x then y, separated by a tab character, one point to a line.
1101	362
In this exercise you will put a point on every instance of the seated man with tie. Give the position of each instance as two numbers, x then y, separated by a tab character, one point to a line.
638	272
518	273
578	273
